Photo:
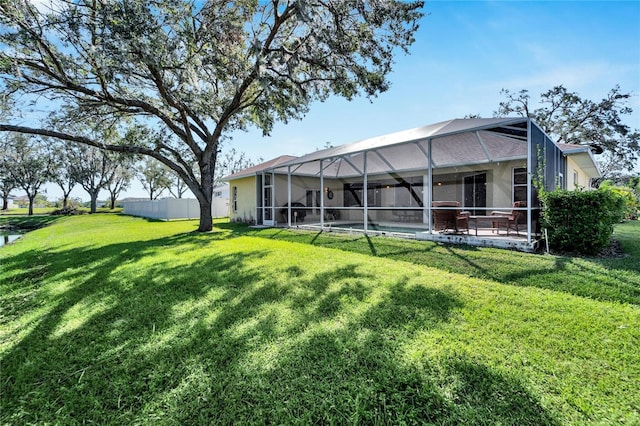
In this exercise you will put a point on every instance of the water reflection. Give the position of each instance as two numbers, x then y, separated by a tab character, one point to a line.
8	238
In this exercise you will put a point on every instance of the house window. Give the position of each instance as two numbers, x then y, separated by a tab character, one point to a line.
475	193
520	184
235	198
575	178
314	202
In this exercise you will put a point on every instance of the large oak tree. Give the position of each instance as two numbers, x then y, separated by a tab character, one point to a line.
569	118
195	71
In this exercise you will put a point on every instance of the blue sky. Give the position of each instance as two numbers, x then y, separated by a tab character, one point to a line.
465	53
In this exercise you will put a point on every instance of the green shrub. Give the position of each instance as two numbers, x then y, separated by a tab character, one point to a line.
581	221
631	203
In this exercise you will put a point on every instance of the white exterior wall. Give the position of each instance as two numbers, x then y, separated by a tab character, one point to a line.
576	178
502	183
499	182
246	203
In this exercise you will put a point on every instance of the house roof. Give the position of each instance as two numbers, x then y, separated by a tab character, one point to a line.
582	155
457	142
441	129
252	171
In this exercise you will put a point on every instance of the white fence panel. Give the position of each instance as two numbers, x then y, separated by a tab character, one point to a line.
165	209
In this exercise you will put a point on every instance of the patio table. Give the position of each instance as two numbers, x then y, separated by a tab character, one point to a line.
492	216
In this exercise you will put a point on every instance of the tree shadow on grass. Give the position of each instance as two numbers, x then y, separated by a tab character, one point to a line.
334	377
217	340
347	373
560	273
580	277
27	223
601	279
481	395
55	348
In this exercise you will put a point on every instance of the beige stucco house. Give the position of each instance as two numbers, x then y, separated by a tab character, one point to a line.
397	183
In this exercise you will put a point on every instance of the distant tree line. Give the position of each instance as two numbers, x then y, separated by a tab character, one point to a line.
29	162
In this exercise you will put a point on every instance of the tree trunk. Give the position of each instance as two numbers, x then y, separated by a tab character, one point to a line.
205	196
206	218
65	200
113	202
5	202
94	201
31	198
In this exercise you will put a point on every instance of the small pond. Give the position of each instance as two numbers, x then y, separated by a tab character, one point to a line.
6	237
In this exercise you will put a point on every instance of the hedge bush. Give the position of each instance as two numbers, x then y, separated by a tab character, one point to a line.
581	221
631	198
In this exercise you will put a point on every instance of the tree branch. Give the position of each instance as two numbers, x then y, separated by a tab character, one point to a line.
236	102
181	108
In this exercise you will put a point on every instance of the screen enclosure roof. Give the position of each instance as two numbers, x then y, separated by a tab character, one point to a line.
458	142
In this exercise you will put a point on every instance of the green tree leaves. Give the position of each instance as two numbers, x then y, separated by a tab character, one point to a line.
571	119
195	73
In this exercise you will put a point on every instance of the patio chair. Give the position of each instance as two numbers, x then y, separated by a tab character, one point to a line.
331	214
450	219
511	220
298	212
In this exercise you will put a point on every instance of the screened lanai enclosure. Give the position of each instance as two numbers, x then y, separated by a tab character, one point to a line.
464	179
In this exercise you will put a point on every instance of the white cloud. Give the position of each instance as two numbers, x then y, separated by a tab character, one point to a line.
574	76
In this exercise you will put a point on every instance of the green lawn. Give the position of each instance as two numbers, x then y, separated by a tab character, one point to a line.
110	319
22	211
